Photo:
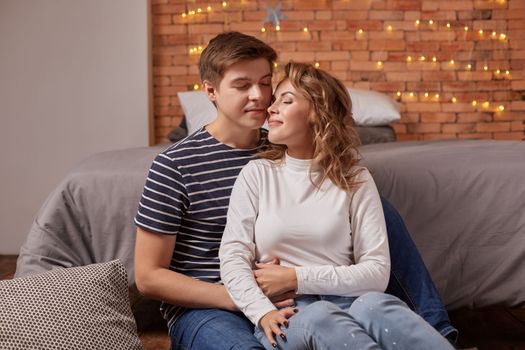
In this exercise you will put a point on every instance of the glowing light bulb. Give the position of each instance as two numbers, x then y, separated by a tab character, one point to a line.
430	22
409	58
224	4
417	22
379	63
436	95
209	8
275	64
434	59
474	103
411	94
316	64
507	72
501	108
196	87
277	27
494	34
469	66
502	36
486	104
305	29
422	58
263	30
480	31
199	10
360	31
184	15
454	100
498	71
448	24
485	68
398	93
426	94
466	28
389	28
451	61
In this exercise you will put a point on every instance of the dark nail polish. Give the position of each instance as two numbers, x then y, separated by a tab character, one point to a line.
283	337
296	310
285	324
274	345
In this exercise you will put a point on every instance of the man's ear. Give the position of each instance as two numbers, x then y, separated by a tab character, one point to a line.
209	89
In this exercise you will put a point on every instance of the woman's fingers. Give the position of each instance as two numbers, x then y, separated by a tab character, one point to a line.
288	312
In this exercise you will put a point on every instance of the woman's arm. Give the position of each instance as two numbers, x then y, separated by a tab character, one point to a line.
155	280
237	251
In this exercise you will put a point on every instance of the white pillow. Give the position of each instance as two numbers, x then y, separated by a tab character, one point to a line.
371	108
198	109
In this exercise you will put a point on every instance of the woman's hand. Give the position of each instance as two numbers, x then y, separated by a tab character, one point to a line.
271	323
275	280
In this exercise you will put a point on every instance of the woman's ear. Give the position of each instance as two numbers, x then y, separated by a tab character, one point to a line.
209	89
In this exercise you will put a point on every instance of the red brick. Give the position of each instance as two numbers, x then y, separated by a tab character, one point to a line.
518	85
456	107
423	107
386	15
388	45
474	117
439	76
475	136
351	15
422	128
321	15
471	76
350	5
517	106
405	4
438	117
518	136
404	76
493	127
458	128
439	36
439	136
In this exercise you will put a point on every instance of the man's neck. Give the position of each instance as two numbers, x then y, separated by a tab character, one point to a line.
233	135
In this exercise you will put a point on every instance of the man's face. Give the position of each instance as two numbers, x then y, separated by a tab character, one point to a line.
244	93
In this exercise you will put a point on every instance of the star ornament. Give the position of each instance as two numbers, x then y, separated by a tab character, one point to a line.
274	15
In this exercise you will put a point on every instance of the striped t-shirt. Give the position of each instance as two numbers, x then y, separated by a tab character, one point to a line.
187	193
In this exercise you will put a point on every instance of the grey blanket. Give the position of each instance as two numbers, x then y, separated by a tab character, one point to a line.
463	202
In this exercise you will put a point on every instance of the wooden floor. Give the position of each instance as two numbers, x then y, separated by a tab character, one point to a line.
491	328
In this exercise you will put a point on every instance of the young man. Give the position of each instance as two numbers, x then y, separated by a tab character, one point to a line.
182	212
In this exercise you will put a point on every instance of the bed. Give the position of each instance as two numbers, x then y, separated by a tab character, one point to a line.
463	202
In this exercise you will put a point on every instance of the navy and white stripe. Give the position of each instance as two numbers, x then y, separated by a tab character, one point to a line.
187	193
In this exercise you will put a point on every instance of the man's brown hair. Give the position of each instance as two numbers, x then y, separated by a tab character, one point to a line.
229	48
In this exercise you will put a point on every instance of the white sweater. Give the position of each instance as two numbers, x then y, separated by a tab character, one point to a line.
336	242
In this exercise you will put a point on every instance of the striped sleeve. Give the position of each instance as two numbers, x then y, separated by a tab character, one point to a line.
164	199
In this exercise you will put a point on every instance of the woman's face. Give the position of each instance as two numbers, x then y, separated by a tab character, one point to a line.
288	121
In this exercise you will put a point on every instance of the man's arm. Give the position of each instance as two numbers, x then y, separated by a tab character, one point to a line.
155	280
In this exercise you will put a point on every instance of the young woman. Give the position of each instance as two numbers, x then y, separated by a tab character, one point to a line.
308	204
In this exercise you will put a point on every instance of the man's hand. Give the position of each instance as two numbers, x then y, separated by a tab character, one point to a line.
271	323
275	280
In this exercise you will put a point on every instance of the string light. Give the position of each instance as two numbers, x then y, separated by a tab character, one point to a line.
275	64
426	94
199	10
466	28
498	71
501	108
398	94
316	64
209	8
389	28
507	72
430	22
436	95
452	62
184	15
454	99
422	58
448	24
305	29
277	27
469	66
224	4
480	31
474	103
502	36
434	59
263	30
494	34
485	68
196	87
409	58
411	94
379	63
360	31
486	104
417	22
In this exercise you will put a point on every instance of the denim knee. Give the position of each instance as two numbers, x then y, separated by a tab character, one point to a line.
373	304
316	314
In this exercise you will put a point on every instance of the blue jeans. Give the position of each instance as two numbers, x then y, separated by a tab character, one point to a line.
373	321
409	277
209	329
409	281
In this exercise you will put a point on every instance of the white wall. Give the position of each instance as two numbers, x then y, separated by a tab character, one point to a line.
73	82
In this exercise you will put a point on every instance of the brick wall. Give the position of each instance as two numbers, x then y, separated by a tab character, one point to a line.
457	66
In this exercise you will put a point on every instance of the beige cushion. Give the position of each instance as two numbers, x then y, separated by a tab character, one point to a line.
75	308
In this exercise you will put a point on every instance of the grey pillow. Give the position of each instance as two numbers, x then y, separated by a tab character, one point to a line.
75	308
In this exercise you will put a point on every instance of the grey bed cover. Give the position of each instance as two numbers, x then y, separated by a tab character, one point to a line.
463	202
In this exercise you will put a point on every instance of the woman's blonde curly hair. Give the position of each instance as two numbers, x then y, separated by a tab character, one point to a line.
335	136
